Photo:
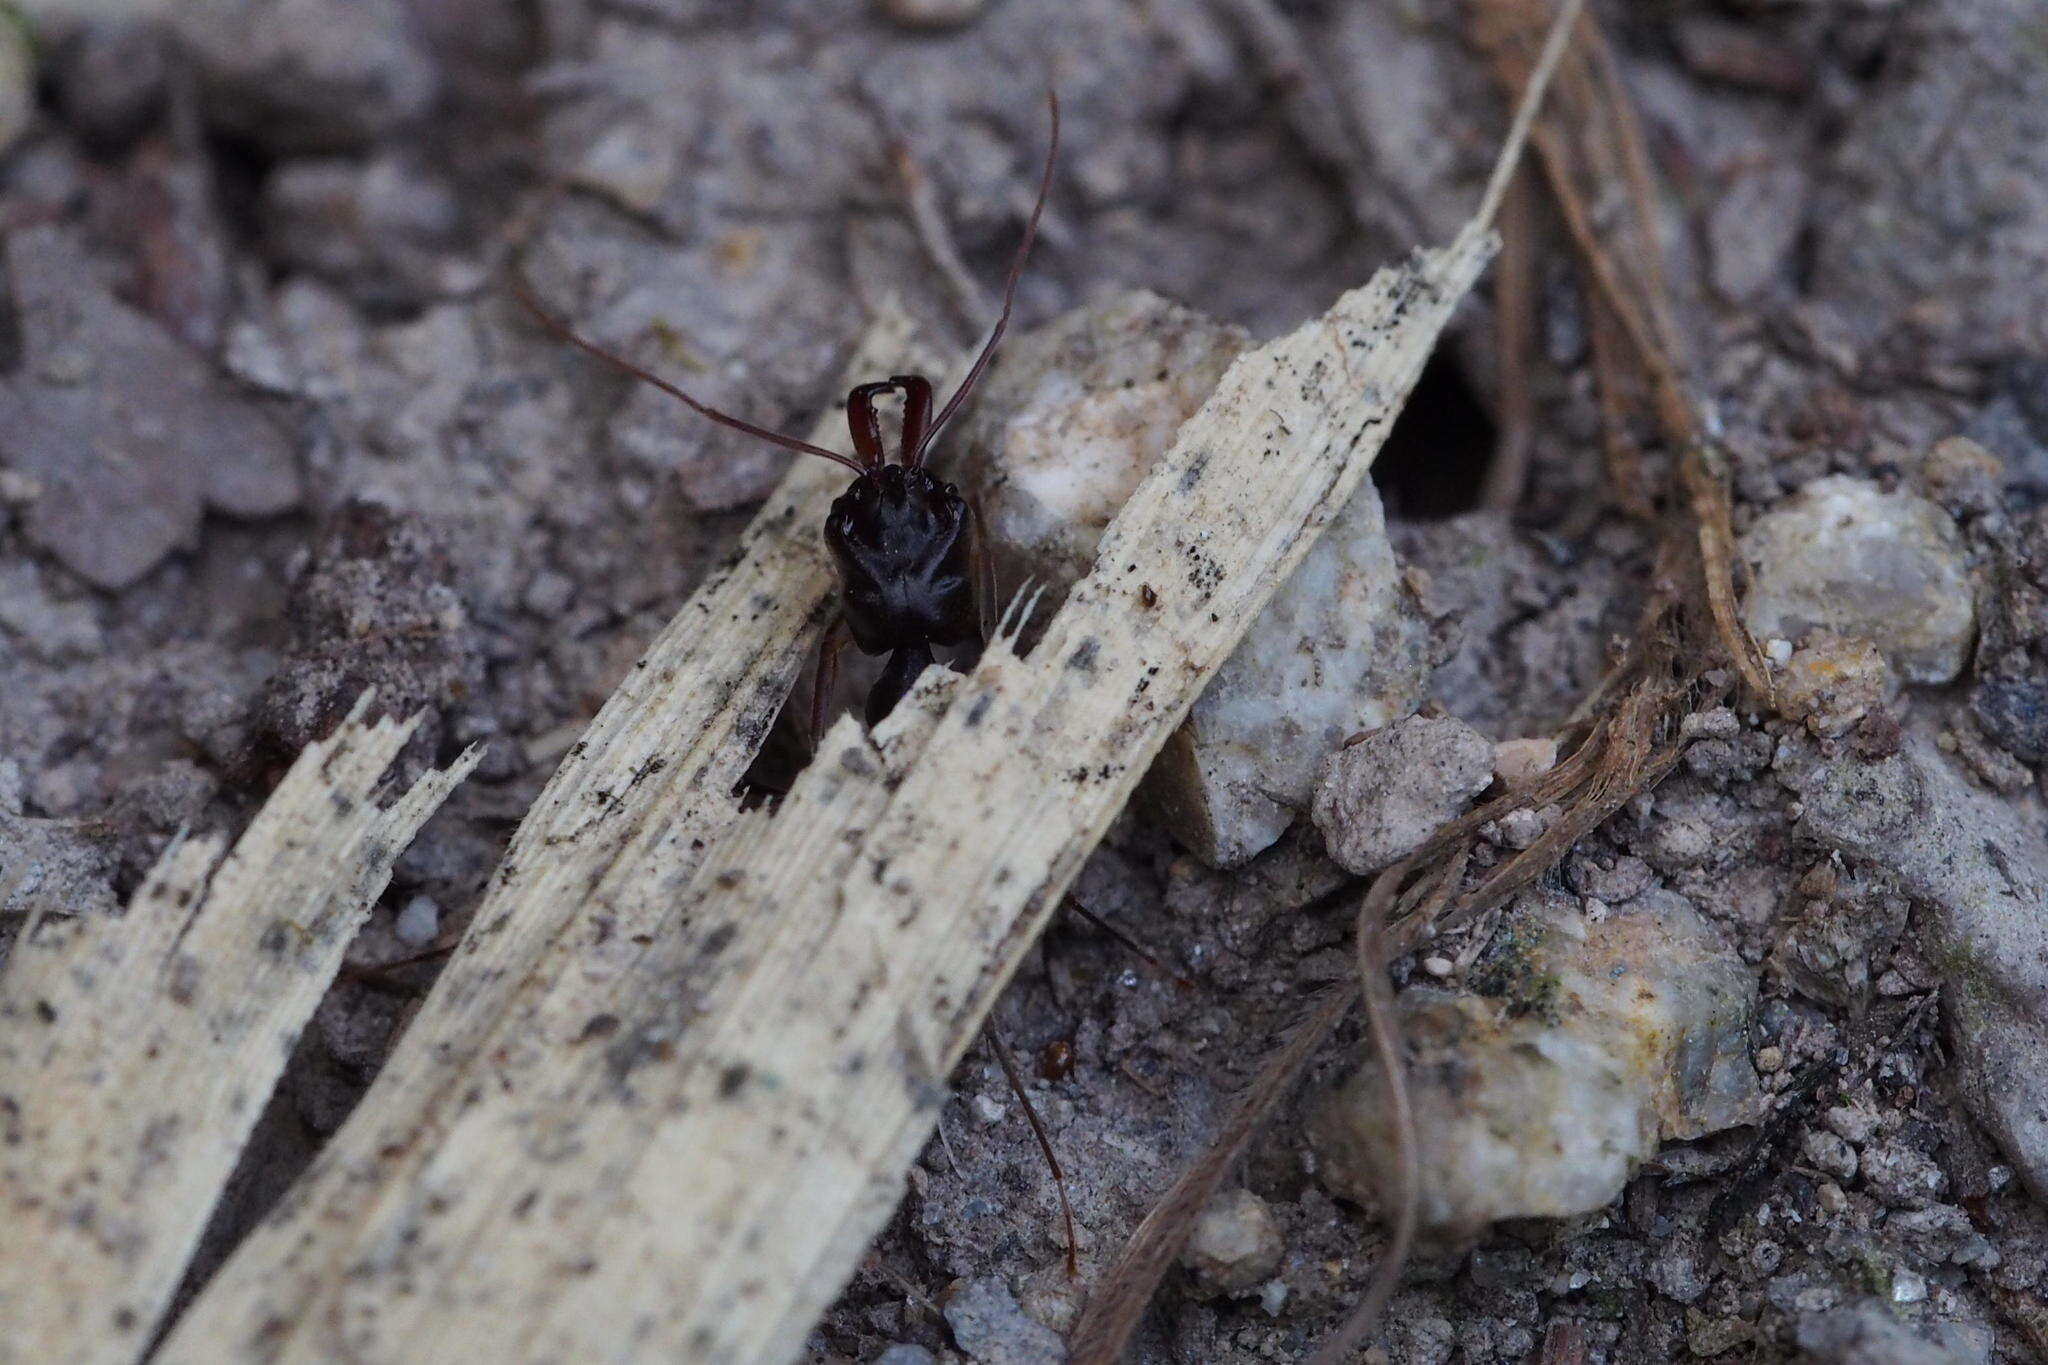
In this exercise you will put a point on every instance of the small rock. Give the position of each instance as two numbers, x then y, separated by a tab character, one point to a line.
633	162
253	355
55	867
1235	1245
1679	843
1066	427
374	610
308	75
42	623
1754	225
1980	868
1964	477
1846	557
1853	1123
1870	1333
110	79
1611	877
1520	829
1048	1296
549	594
1680	1271
130	433
1606	1040
390	229
1901	1176
1075	416
1380	798
1833	683
1831	1154
1340	648
1517	763
419	922
932	14
2013	713
987	1324
1825	950
1708	1337
902	1354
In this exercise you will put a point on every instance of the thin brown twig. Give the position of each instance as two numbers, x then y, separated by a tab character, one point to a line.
1136	948
1114	1309
1400	1197
1113	1312
921	198
1514	308
1383	1024
1059	1177
1624	456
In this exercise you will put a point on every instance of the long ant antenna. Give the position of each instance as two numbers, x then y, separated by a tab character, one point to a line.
988	350
918	435
568	334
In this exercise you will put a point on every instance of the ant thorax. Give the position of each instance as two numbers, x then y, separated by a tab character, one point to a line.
902	544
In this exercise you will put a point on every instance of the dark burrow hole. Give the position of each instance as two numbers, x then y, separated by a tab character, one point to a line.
1435	461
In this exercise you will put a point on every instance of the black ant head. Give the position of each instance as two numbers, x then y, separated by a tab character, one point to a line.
901	541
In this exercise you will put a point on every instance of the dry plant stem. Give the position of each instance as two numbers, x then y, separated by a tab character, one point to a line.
1059	1177
1120	1296
630	812
1119	1301
1614	763
922	200
1635	162
1114	1309
682	1148
137	1051
1515	325
1605	146
1317	116
1623	454
1384	1028
1131	945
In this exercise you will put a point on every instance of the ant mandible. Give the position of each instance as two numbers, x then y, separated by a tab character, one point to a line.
904	544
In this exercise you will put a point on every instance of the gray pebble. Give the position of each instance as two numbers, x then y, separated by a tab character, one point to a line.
988	1324
1382	797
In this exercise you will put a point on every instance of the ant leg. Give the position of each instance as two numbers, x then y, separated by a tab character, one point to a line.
917	415
865	425
383	975
825	682
1059	1177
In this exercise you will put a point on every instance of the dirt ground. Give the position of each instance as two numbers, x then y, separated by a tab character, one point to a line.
271	430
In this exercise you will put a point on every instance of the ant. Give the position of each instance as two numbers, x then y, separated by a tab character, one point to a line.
906	548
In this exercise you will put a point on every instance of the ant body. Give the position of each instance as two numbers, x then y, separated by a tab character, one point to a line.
905	546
